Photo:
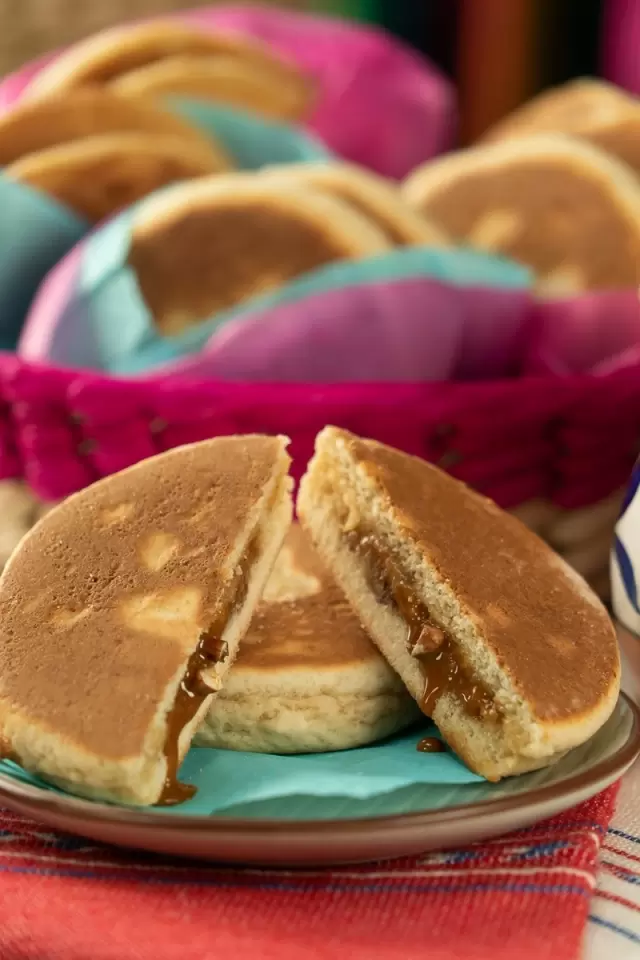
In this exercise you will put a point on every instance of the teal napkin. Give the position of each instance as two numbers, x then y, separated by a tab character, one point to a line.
127	342
252	141
226	778
35	232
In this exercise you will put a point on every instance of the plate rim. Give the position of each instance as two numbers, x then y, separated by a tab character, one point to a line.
26	797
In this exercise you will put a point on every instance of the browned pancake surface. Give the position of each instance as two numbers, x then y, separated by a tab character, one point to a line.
101	175
220	79
545	213
210	259
557	645
108	597
109	54
86	112
310	625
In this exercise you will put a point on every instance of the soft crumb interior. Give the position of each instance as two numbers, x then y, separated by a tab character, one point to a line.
336	497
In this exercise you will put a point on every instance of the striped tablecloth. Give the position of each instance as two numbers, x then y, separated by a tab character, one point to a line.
614	920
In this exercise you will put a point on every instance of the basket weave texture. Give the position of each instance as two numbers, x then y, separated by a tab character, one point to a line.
556	451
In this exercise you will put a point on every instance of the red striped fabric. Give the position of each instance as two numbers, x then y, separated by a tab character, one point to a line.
523	897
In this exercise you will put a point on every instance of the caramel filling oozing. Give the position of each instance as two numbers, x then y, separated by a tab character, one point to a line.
431	745
193	690
443	668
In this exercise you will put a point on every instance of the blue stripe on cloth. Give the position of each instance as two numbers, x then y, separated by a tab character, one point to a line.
627	573
332	887
622	931
622	873
625	836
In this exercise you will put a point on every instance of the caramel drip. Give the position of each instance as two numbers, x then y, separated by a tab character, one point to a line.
442	666
193	690
431	745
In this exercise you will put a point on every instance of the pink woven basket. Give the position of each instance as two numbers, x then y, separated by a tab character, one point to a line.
557	456
557	450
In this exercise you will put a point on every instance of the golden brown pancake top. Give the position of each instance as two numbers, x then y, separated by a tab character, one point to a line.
98	176
304	620
622	138
576	107
222	79
107	597
210	259
86	112
555	641
109	54
548	213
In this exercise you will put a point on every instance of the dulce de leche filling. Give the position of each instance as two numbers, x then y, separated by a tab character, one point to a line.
443	668
193	690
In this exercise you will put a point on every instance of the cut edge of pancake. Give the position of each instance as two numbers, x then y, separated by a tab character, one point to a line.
521	742
139	780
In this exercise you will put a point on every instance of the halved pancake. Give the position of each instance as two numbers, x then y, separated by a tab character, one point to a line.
554	203
122	609
109	54
100	175
371	195
495	636
35	125
591	109
214	243
308	679
223	79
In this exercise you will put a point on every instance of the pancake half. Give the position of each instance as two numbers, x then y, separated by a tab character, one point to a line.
122	609
554	203
374	197
111	53
591	109
35	125
98	176
224	79
495	636
212	244
308	679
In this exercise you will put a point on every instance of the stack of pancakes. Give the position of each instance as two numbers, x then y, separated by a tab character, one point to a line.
98	151
165	58
554	186
175	598
212	244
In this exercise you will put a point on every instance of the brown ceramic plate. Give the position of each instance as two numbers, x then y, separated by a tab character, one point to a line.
408	821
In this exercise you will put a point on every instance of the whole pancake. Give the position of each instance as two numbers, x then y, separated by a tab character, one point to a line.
123	608
212	244
88	112
496	637
99	175
593	110
107	55
574	108
376	198
239	82
307	678
554	203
